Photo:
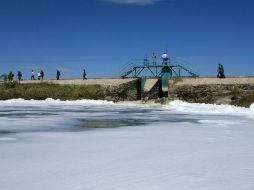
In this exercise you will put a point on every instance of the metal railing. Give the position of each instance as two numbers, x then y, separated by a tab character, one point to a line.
134	68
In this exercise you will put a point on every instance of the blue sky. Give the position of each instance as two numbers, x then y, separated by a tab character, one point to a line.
103	35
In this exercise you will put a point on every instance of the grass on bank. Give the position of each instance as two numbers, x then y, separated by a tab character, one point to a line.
177	79
239	99
42	91
245	101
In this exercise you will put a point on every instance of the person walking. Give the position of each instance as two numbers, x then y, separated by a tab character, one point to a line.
58	74
10	76
32	75
84	74
39	76
42	75
222	71
19	76
218	71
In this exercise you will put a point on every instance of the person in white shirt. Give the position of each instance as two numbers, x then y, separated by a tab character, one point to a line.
32	75
39	76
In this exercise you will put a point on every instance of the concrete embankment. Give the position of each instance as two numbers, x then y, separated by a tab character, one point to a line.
232	90
91	81
115	89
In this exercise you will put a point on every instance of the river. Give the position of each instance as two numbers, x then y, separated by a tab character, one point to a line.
99	145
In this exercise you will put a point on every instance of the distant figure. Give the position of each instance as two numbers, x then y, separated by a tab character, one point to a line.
58	74
10	76
42	75
19	76
218	71
32	75
39	76
221	71
84	74
154	59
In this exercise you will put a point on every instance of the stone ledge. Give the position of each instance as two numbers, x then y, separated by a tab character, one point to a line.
89	81
207	81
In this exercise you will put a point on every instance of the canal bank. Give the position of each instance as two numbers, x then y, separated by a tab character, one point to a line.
237	91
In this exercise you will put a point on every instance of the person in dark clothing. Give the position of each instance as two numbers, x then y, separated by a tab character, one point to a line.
42	75
218	72
221	71
58	74
10	76
84	74
19	75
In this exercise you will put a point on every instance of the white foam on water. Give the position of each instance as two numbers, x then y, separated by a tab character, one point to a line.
217	123
162	155
198	108
176	105
6	139
252	107
50	101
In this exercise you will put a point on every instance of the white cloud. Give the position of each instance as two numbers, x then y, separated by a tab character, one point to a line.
133	2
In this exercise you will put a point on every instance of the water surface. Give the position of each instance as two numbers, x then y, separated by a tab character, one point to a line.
101	145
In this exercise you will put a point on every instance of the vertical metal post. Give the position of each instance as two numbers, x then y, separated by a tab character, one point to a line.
154	59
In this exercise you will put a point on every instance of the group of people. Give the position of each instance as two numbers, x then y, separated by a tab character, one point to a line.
221	71
10	76
40	75
58	74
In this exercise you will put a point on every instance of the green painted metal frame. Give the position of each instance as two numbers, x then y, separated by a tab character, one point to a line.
164	71
137	69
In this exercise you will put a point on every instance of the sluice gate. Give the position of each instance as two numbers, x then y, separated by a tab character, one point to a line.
153	76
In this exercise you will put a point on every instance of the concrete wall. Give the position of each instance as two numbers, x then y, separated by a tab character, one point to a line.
151	89
236	90
91	81
129	91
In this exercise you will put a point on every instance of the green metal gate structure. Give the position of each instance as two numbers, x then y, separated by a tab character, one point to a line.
138	68
164	71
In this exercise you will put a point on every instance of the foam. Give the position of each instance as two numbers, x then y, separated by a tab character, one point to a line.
176	105
50	101
162	155
252	107
6	139
209	108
